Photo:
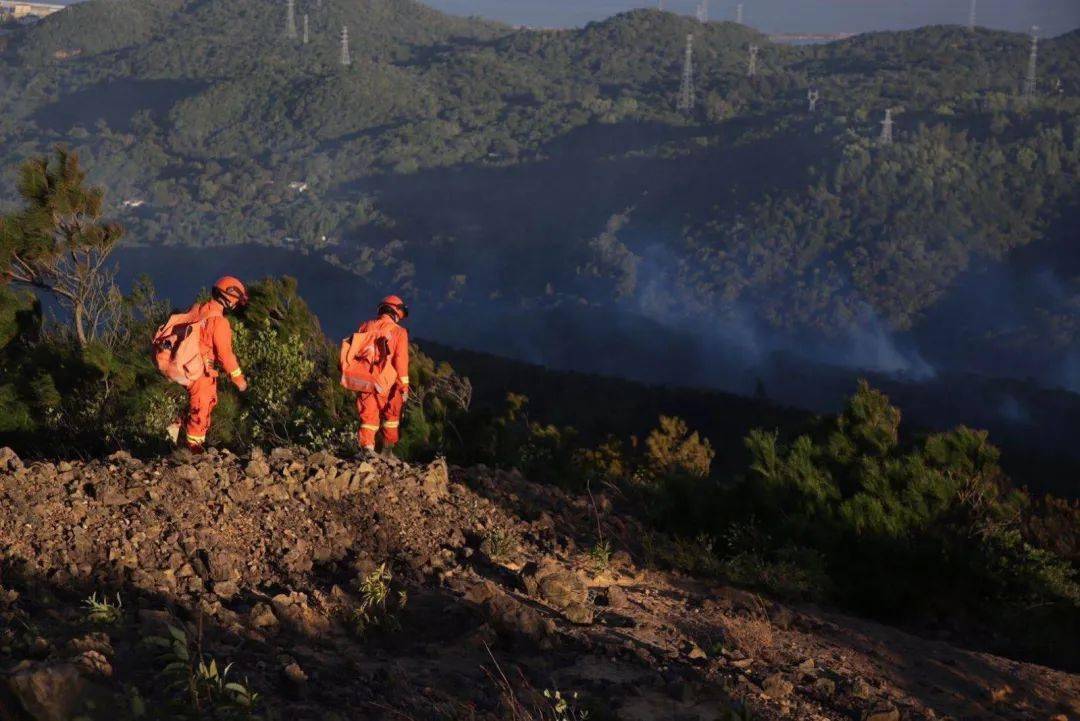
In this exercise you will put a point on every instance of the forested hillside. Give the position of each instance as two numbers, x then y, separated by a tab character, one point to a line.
503	171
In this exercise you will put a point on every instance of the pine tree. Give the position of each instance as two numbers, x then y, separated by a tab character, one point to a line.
58	242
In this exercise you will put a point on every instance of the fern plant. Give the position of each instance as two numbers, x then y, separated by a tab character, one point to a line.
204	686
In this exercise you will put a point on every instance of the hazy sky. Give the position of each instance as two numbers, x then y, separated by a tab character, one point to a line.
1053	16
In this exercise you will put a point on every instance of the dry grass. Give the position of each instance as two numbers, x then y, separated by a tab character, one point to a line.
546	706
749	634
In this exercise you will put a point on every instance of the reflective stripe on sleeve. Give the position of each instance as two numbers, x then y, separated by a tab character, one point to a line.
404	380
236	373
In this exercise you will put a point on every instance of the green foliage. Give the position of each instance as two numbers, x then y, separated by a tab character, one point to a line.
856	242
900	529
789	572
608	462
435	417
1054	524
202	688
379	609
673	450
58	242
540	450
829	230
282	368
564	708
19	315
103	612
600	555
673	476
695	555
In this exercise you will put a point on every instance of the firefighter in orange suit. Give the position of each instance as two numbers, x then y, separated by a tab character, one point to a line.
382	411
228	294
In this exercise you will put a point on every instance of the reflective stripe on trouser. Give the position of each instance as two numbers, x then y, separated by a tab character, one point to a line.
379	412
202	397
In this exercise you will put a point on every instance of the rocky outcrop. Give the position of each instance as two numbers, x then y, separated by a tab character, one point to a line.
394	591
559	587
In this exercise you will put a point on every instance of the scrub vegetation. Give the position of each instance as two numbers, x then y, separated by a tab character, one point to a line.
850	509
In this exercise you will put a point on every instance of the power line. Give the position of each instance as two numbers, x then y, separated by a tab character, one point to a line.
290	19
686	91
346	58
1031	83
887	128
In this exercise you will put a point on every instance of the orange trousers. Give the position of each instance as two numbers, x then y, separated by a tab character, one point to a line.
377	413
202	397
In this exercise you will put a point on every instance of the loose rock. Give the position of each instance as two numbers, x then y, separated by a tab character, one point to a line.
47	692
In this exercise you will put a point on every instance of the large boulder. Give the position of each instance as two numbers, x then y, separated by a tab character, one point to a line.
882	712
560	588
294	611
508	616
777	686
436	480
47	692
9	460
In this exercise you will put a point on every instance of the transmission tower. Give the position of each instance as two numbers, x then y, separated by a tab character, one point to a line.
886	128
686	91
307	34
752	70
290	19
703	11
346	59
971	16
812	95
738	13
1031	81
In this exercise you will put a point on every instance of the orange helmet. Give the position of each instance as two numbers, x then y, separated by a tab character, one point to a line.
231	292
395	305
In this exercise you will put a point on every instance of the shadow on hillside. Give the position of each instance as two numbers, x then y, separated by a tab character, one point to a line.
503	227
952	681
420	672
115	102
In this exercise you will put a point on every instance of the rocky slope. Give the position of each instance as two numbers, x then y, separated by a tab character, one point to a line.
488	596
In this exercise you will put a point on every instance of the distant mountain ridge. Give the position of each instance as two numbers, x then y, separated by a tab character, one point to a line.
479	166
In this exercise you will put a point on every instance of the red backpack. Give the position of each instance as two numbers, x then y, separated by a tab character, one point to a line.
365	359
177	350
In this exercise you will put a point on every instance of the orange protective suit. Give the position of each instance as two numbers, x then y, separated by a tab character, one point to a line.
380	411
216	343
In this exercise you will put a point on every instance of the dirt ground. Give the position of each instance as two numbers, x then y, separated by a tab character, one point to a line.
347	589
